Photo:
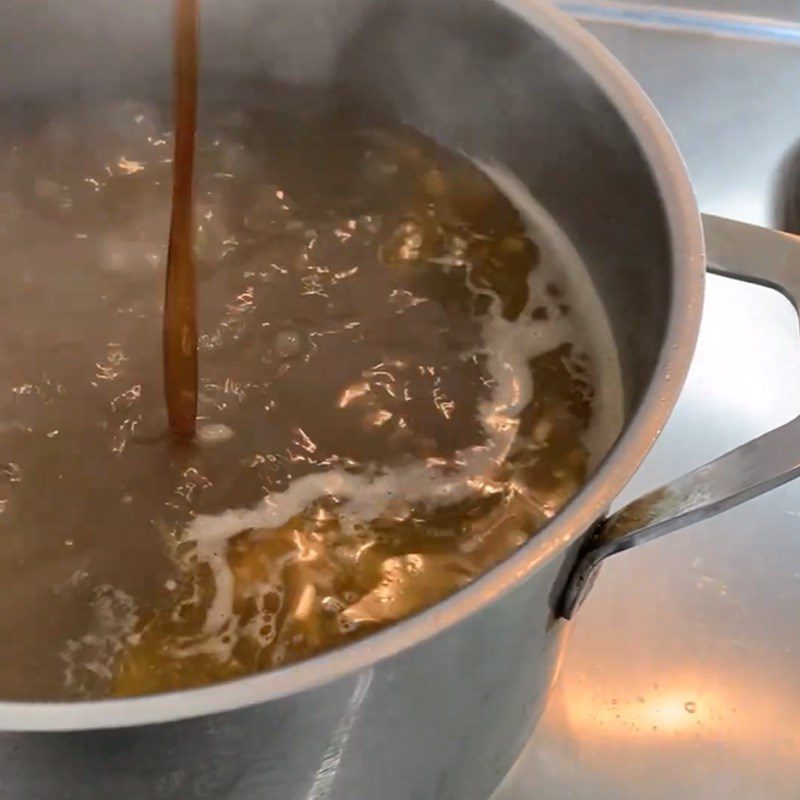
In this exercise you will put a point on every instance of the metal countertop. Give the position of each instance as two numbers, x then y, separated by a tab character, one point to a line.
682	674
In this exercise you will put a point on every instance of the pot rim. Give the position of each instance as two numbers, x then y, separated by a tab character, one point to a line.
589	504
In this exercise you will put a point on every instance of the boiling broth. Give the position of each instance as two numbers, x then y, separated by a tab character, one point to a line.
403	376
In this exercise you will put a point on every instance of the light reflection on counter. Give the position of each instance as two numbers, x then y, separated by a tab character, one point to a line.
691	707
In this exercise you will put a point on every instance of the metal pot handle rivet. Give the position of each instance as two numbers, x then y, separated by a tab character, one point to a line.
753	254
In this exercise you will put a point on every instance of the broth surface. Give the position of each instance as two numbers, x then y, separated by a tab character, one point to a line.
403	376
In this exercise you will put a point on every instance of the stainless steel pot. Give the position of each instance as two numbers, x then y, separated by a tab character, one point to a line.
437	707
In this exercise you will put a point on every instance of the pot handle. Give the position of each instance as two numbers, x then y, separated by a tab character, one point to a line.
753	254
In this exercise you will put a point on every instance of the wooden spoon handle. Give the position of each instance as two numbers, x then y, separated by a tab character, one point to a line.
180	304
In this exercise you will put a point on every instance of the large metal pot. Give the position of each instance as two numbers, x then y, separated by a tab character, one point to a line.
438	706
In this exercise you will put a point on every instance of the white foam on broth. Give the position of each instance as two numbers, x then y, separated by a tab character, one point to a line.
508	347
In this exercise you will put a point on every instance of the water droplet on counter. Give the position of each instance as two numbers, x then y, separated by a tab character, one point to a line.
690	707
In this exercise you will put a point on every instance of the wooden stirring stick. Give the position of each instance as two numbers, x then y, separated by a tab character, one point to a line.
180	305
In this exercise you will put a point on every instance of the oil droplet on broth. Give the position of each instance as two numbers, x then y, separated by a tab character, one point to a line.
288	344
399	386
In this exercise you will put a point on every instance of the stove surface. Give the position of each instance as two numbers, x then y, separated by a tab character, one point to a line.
682	675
